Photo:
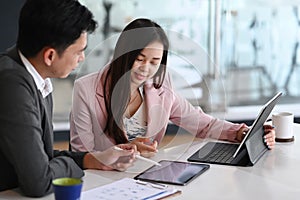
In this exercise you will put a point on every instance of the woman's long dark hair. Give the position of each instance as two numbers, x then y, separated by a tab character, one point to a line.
133	39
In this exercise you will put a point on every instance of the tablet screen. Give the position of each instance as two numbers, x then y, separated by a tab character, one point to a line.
173	172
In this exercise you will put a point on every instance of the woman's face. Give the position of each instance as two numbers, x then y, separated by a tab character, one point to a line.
146	63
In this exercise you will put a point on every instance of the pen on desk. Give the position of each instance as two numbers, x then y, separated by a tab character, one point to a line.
140	157
154	185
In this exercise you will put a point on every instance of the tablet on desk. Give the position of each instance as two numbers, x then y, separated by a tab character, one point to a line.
173	172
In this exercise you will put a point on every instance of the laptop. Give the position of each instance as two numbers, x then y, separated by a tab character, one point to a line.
246	153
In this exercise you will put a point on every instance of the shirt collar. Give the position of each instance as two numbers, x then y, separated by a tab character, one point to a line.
44	86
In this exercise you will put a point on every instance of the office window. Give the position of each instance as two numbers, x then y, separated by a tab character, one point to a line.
257	52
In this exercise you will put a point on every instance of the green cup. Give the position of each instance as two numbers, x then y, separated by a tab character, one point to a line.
67	188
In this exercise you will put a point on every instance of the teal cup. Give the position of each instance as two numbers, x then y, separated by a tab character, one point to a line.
67	188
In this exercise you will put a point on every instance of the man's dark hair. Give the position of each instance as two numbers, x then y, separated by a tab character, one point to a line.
52	23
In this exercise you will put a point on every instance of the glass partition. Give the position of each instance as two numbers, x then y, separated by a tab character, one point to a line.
223	53
190	28
260	48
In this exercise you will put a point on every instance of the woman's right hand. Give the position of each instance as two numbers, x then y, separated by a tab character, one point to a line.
145	146
241	133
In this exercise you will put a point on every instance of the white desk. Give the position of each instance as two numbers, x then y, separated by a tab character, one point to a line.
275	176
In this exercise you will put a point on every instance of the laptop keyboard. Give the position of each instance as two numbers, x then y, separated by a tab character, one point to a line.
218	152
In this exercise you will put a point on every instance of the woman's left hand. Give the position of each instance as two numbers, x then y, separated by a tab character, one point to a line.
145	146
269	136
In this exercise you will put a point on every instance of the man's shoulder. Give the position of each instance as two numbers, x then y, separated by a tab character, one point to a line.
7	63
11	71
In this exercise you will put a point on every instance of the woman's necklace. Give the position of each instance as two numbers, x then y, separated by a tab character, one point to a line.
136	94
133	104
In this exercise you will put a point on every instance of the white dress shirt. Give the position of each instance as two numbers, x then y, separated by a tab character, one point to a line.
43	85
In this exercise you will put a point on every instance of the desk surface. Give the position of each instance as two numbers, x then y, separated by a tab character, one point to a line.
275	176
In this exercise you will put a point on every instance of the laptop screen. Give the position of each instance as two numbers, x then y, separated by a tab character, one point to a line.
260	119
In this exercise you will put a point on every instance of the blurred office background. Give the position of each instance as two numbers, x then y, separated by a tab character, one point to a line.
227	56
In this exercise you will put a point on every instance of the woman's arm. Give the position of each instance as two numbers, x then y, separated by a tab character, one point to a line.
196	121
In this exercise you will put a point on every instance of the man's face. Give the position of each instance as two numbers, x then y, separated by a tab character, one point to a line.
64	64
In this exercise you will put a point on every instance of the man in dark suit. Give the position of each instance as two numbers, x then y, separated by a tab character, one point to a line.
51	42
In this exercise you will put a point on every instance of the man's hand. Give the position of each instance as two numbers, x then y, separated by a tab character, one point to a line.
111	158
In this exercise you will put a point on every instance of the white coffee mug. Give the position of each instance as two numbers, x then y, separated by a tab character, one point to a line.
283	123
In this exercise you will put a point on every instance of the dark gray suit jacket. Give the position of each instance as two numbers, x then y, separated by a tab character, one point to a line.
27	158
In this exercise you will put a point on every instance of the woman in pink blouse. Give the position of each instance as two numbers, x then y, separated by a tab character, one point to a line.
132	99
